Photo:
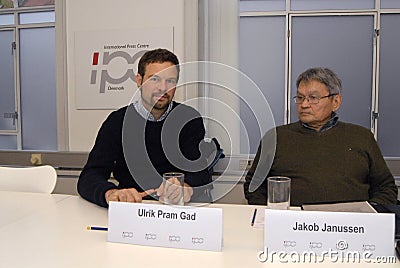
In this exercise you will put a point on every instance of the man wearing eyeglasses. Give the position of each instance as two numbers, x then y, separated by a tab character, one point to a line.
327	160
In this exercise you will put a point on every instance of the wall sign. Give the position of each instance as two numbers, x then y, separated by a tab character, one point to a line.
106	64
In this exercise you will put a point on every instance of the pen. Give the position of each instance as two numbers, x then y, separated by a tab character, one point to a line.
254	217
154	195
96	228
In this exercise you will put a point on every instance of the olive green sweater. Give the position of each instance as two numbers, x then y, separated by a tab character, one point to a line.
343	163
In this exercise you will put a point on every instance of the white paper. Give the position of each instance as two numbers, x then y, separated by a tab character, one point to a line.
364	207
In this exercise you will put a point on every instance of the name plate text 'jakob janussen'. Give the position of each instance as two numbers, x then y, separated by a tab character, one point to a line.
324	233
165	226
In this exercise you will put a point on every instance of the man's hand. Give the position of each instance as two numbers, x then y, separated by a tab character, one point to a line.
173	191
126	195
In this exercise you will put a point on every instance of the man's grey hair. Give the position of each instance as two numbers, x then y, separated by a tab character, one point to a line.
323	75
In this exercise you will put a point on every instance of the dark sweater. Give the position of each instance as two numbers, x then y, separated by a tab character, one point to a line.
340	164
120	149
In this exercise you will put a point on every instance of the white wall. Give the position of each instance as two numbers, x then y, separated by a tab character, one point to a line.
104	15
78	128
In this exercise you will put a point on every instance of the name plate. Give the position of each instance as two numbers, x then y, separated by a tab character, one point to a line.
327	234
165	226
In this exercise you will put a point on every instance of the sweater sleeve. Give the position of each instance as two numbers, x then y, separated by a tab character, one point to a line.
255	186
191	136
383	189
93	181
194	133
259	195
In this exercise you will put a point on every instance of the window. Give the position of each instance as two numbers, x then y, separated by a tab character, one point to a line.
25	3
27	78
342	35
6	4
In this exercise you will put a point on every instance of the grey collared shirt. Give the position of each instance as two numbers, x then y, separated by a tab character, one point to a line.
330	124
146	114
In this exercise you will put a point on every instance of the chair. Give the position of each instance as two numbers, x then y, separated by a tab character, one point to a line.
218	155
209	148
38	179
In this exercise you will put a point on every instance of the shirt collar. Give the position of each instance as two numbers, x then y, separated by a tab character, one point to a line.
146	114
328	125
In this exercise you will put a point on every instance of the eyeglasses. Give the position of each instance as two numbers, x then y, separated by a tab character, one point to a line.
311	99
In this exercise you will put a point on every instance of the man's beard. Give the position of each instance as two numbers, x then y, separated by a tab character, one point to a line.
160	105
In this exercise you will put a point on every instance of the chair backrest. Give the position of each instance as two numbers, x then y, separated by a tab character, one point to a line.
218	154
38	179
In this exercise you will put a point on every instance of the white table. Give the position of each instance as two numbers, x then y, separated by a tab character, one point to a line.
40	230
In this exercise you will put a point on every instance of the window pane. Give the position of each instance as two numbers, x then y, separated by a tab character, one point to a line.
389	93
262	58
268	5
390	4
8	142
38	89
37	17
6	4
344	44
7	19
7	93
33	3
331	4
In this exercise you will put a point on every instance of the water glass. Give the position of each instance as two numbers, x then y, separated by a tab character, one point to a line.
173	191
278	192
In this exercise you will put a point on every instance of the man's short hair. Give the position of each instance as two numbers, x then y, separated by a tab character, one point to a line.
159	55
323	75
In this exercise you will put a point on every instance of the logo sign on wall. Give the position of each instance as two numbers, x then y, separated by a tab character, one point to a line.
106	64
